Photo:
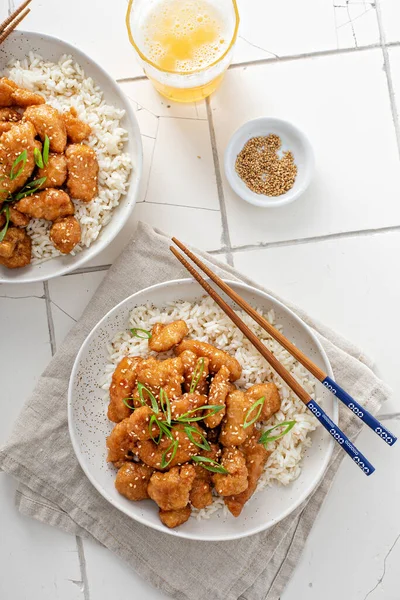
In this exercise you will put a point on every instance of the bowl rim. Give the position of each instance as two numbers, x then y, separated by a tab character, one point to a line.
159	527
261	200
133	189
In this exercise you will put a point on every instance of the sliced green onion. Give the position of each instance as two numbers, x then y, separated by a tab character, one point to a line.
125	401
38	158
153	419
174	447
165	429
5	228
210	464
190	431
260	404
136	333
23	157
267	437
187	418
46	149
197	373
30	188
165	405
154	404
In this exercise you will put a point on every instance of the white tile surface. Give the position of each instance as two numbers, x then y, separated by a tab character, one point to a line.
390	10
342	101
332	99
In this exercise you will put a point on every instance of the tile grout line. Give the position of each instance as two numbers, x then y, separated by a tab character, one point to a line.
388	72
288	58
310	240
225	238
53	346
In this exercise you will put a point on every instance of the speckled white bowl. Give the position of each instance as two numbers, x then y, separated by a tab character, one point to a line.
17	46
293	139
89	426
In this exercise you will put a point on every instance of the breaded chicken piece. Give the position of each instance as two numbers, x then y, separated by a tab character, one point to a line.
201	492
174	518
151	453
11	94
256	456
55	171
15	249
165	337
217	357
132	480
13	143
235	482
272	402
77	130
49	204
139	421
219	389
8	118
157	374
170	490
48	121
65	234
17	218
83	169
237	406
186	403
190	361
120	444
122	385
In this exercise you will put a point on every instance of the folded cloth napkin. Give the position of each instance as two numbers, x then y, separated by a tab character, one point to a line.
54	489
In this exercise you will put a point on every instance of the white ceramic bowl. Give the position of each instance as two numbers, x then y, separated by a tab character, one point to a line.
89	426
292	139
17	46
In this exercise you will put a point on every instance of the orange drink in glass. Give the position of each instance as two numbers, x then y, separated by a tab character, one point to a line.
185	46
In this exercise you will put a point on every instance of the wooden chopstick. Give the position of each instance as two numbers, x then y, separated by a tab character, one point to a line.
311	404
323	377
9	24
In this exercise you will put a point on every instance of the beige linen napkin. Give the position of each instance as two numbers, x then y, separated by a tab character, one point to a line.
53	488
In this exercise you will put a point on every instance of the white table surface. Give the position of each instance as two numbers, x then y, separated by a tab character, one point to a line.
332	67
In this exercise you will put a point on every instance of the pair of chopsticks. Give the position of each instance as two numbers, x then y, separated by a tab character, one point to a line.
329	383
9	24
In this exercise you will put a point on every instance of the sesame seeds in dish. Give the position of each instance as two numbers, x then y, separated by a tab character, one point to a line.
207	324
64	85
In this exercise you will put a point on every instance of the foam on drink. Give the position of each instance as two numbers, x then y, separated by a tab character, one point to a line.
184	36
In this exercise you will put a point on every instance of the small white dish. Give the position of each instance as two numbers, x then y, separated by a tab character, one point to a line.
89	425
292	139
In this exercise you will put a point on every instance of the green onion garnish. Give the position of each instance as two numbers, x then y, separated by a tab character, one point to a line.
3	232
23	157
190	431
210	464
165	405
30	188
38	158
142	388
260	404
46	148
153	420
174	447
197	373
125	401
142	334
187	418
267	437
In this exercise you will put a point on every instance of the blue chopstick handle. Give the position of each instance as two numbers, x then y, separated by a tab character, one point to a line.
340	438
360	411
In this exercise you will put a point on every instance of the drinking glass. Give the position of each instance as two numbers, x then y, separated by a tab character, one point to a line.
184	46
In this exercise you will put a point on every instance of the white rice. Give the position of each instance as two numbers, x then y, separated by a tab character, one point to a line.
208	323
64	85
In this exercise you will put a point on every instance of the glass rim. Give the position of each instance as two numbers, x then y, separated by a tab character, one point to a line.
172	71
